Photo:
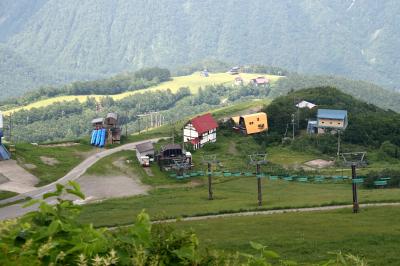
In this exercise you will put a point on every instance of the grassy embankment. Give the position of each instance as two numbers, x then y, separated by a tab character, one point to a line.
65	158
373	234
233	195
6	194
193	82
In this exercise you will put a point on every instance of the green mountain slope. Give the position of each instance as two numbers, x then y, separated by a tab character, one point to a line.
357	39
18	74
368	125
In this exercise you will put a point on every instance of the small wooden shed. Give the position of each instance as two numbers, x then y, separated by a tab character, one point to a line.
111	120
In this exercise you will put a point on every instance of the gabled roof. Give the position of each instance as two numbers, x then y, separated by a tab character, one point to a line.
305	104
143	147
97	120
255	123
112	115
204	123
260	80
236	119
172	147
332	114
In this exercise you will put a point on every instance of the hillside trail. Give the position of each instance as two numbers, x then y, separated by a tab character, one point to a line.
16	210
271	212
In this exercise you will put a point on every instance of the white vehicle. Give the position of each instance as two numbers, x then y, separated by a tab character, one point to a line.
145	161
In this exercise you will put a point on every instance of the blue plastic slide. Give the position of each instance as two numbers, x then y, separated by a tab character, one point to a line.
4	155
93	139
98	136
102	138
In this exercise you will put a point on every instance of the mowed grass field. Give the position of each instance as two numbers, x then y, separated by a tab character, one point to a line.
65	158
230	195
193	82
373	234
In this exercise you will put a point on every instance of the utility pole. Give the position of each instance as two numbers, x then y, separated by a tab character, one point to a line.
139	123
258	160
354	159
209	160
210	193
258	174
338	144
126	124
10	128
354	187
292	126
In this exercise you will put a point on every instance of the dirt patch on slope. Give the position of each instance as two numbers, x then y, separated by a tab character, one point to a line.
29	166
103	187
66	144
319	163
49	160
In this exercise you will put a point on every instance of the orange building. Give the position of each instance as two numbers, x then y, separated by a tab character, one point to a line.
252	123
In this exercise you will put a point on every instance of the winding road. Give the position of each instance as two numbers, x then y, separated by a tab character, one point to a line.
16	210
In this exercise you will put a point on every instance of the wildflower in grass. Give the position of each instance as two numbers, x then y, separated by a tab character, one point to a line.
97	260
44	249
81	261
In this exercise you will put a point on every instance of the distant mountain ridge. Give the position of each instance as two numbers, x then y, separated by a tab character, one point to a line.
86	39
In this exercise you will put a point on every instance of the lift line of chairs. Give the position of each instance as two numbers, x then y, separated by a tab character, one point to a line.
381	182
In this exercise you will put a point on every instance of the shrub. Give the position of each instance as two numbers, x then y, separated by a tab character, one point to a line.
389	149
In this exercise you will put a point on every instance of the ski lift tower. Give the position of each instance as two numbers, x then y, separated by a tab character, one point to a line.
180	164
354	160
210	159
258	159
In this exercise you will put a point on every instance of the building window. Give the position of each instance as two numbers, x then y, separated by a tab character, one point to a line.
258	119
251	123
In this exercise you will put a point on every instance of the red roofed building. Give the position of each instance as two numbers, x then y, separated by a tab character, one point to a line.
259	81
200	130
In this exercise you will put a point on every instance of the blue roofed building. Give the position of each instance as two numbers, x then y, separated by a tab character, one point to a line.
330	119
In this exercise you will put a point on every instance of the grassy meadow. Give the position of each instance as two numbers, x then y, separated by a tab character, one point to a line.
6	194
372	234
230	195
65	158
193	82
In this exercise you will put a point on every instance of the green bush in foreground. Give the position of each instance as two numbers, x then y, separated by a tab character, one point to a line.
51	236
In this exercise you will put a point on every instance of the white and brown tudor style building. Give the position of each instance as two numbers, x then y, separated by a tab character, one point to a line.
200	130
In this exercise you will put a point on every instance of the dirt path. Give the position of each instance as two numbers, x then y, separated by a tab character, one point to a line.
19	180
271	212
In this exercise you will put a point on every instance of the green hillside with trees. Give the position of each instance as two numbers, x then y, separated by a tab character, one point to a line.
92	39
369	126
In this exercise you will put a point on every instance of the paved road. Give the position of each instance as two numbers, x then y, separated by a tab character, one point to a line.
20	180
16	210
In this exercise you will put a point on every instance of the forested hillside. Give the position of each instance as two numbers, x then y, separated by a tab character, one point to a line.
368	125
87	39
